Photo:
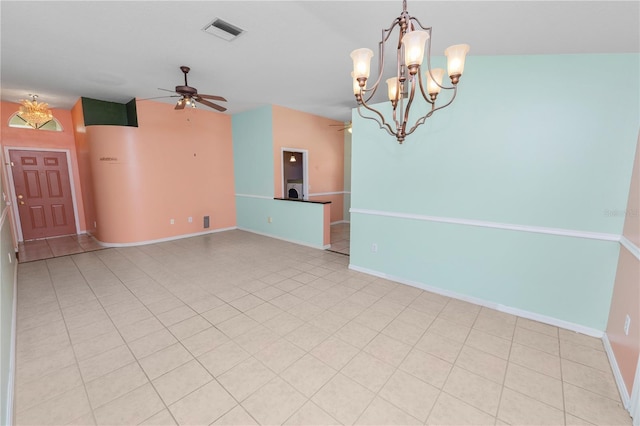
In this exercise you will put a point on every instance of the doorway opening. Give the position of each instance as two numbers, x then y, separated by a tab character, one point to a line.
295	178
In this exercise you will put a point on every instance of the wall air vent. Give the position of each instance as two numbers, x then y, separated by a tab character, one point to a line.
223	29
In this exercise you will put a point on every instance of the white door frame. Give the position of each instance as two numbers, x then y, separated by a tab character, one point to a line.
12	187
305	171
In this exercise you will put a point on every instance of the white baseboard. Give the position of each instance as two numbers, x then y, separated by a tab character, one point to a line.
622	388
163	240
302	243
482	302
339	221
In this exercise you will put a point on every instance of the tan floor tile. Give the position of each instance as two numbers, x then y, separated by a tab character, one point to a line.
97	345
237	325
334	352
410	394
450	330
223	358
246	302
474	390
427	368
256	339
440	346
179	382
61	409
152	343
176	315
89	331
32	369
165	304
591	379
283	323
163	418
381	412
489	343
204	304
268	293
237	416
403	331
306	311
575	421
368	370
131	316
106	362
536	340
115	384
274	403
451	411
307	336
311	415
279	355
85	420
534	359
245	378
189	327
203	406
516	408
535	385
343	399
220	314
389	350
131	332
374	319
308	374
581	339
538	327
356	334
483	364
585	355
30	394
204	341
164	360
263	312
351	310
496	325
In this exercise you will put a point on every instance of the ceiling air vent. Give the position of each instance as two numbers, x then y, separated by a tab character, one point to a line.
223	29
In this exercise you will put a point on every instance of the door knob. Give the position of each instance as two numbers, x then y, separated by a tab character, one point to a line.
21	203
20	197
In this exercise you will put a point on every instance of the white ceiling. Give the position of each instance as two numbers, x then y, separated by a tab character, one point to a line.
294	53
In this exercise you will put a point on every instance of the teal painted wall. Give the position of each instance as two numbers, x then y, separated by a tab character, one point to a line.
530	140
253	152
253	169
347	176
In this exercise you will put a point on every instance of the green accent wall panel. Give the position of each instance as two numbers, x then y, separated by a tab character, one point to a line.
253	152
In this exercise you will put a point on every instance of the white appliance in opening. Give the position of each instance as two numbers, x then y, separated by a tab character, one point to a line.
294	190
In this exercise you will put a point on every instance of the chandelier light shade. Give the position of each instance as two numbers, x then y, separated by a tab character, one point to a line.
414	43
35	113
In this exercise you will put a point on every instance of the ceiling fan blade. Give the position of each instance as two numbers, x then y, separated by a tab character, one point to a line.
213	97
166	90
159	97
210	104
180	105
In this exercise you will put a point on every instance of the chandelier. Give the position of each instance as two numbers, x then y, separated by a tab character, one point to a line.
35	113
408	79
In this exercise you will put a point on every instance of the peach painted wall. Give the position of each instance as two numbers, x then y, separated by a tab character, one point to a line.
626	291
175	165
84	165
43	139
325	144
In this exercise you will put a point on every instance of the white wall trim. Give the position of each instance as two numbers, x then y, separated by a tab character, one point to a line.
264	234
262	197
495	225
339	221
633	249
320	194
12	187
482	302
11	387
622	388
634	410
164	240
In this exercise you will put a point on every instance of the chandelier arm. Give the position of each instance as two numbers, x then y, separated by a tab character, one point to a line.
422	89
433	109
380	123
409	102
383	40
429	65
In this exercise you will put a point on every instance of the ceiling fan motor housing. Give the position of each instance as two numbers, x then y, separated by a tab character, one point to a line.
186	90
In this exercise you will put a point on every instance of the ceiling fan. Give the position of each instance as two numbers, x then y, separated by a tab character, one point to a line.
189	95
345	126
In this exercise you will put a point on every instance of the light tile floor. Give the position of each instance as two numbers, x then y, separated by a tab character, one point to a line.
239	329
29	251
340	238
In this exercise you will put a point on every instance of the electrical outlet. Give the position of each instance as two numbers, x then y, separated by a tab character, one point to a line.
627	323
172	221
190	219
374	248
269	219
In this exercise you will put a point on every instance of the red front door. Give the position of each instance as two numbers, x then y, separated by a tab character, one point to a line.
43	192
